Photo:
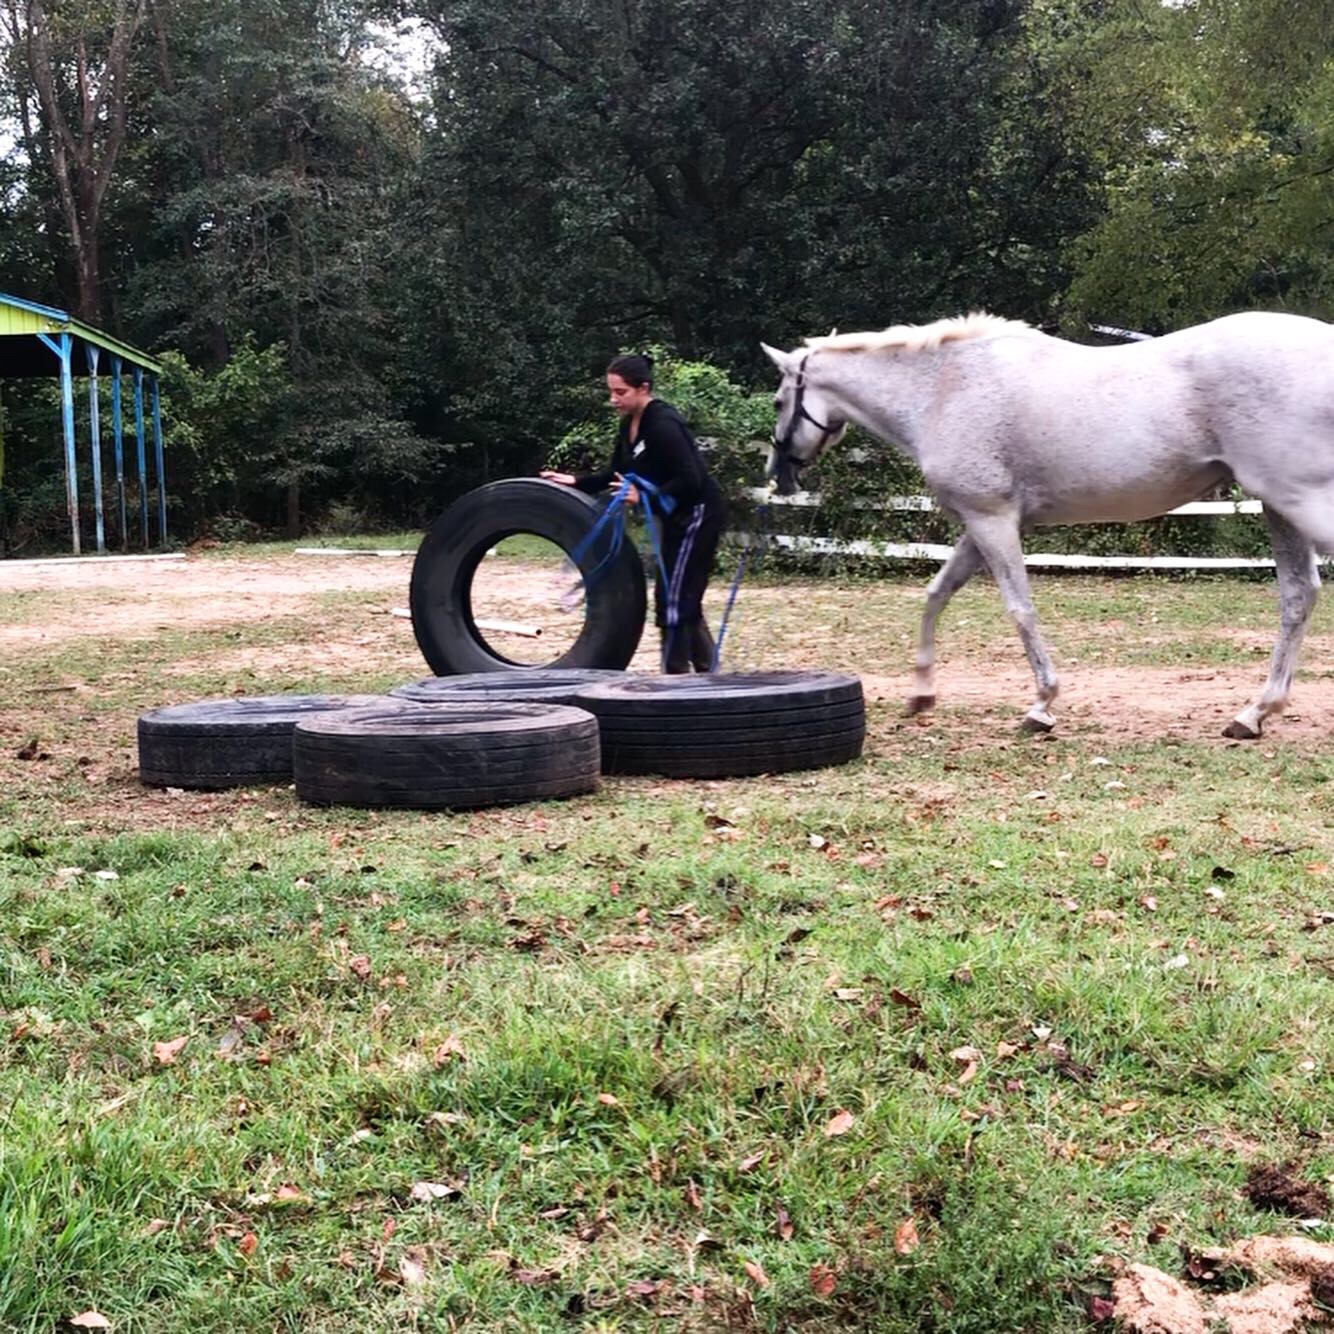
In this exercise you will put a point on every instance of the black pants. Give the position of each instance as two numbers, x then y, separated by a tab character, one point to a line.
689	544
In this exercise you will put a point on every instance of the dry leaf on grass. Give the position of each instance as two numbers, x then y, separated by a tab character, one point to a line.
451	1046
426	1191
165	1053
757	1274
823	1280
839	1124
906	1240
90	1320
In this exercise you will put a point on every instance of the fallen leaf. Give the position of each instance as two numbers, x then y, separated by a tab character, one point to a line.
785	1228
229	1041
451	1046
609	1100
412	1271
817	843
535	1278
905	1237
360	964
90	1320
288	1193
839	1124
165	1053
822	1280
692	1196
756	1273
426	1191
902	998
247	1244
752	1161
1101	1309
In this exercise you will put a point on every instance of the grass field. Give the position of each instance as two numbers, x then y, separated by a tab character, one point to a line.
929	1042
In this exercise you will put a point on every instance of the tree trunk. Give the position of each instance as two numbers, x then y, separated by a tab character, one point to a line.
294	509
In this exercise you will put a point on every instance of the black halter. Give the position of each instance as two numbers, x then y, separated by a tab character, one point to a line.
801	413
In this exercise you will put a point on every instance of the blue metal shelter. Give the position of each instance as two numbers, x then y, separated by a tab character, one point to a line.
30	335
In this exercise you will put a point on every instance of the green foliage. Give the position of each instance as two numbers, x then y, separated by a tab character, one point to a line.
726	418
1217	130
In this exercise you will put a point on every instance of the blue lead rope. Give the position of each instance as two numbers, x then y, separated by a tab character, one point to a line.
612	518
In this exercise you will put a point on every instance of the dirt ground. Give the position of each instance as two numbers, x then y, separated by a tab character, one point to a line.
141	600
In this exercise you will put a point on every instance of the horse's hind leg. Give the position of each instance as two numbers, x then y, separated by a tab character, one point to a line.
964	562
1298	584
998	541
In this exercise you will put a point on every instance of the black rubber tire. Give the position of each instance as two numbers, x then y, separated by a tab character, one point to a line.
728	724
442	575
221	743
537	685
445	756
733	764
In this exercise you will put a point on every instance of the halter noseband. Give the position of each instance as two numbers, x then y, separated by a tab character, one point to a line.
801	413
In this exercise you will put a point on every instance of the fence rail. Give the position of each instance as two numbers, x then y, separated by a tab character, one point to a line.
932	551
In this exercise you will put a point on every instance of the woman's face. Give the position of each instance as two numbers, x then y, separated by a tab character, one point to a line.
627	399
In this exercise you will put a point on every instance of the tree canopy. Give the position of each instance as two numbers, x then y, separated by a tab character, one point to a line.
372	295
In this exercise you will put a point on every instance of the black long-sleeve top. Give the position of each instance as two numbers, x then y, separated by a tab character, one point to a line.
664	453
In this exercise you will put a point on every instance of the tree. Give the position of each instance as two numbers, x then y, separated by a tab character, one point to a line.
72	100
1216	125
606	174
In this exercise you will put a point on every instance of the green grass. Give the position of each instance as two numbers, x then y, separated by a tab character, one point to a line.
659	997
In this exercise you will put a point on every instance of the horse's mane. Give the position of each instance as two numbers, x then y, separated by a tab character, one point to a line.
920	337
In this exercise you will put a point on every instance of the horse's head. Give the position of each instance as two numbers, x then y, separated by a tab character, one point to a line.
806	423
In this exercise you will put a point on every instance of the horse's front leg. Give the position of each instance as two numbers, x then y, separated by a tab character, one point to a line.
964	562
1298	585
997	538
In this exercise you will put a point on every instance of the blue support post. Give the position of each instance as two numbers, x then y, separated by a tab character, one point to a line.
64	349
66	355
139	440
158	464
91	350
119	446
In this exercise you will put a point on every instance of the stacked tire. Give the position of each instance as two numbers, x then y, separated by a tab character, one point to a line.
727	725
445	756
537	685
222	743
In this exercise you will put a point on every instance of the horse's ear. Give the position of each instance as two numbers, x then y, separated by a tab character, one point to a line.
779	359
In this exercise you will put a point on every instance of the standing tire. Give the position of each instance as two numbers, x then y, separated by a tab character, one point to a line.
445	756
537	685
220	743
442	577
728	725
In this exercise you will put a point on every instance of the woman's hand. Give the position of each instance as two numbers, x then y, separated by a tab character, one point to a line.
632	493
564	478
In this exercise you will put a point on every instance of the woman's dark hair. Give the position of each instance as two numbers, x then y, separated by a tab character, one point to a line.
635	368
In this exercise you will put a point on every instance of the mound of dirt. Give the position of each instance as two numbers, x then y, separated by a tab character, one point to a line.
1278	1188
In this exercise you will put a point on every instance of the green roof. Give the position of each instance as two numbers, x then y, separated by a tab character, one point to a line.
26	355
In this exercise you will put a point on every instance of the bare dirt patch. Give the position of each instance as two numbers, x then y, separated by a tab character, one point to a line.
126	600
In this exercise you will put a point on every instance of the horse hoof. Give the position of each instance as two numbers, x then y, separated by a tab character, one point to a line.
1039	724
920	704
1238	731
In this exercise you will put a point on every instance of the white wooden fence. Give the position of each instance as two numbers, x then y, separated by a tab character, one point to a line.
932	551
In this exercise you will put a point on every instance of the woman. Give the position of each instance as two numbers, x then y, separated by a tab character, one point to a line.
655	444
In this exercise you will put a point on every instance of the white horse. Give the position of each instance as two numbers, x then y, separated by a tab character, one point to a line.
1013	429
